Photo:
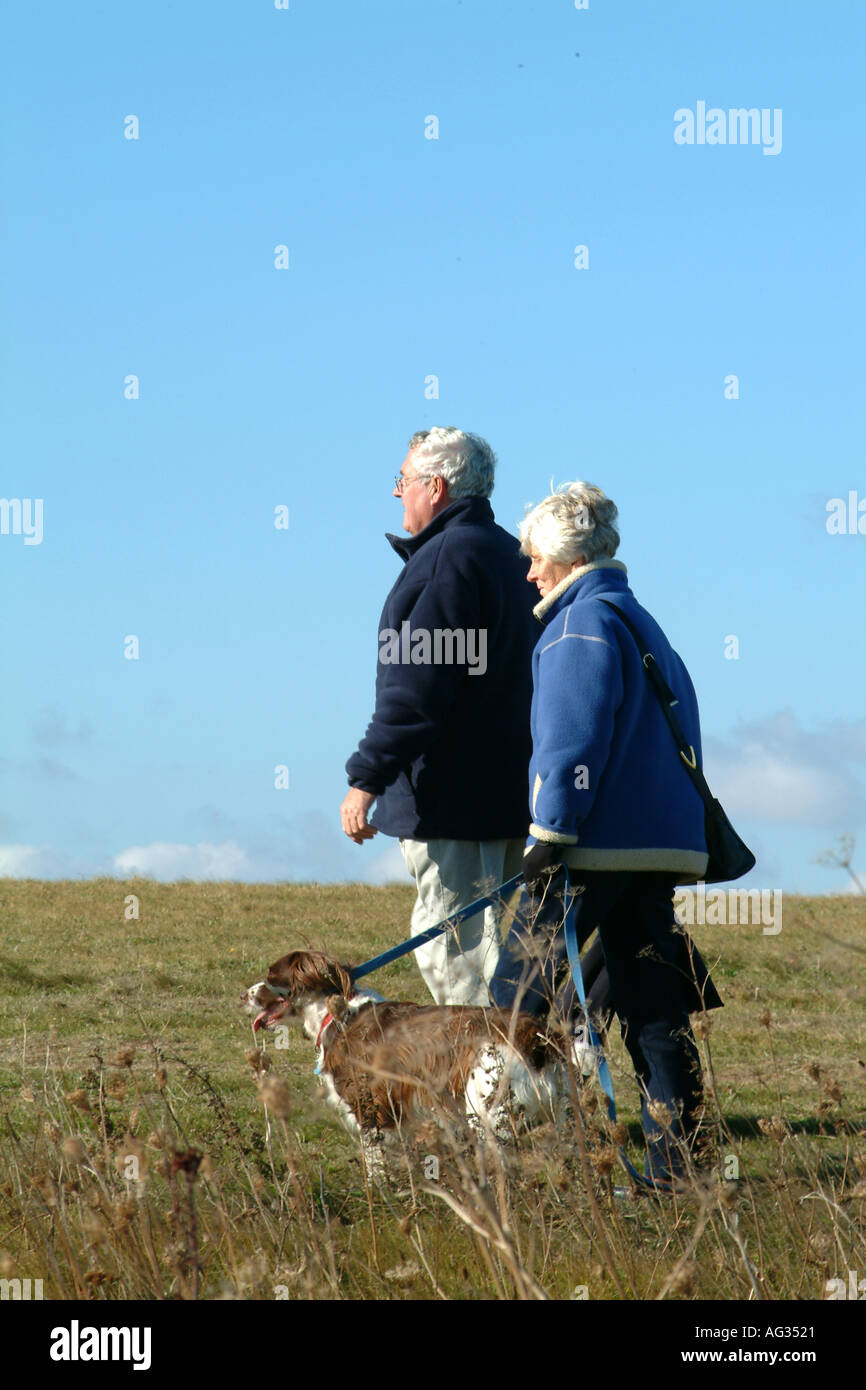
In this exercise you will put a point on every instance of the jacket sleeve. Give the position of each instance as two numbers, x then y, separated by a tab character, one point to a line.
414	700
579	687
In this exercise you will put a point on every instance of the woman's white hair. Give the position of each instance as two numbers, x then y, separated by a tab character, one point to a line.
576	519
465	462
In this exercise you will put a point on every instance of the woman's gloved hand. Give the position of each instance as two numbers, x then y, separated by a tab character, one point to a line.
540	861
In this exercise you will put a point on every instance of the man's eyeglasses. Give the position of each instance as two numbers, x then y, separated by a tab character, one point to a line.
400	482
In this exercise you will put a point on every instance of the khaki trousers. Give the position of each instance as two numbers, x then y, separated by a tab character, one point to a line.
450	874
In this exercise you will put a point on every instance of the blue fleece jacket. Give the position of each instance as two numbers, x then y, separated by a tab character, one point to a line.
448	745
606	779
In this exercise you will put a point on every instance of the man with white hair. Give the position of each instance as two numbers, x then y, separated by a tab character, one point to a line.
446	752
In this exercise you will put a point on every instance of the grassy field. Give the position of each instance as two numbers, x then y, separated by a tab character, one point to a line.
147	1150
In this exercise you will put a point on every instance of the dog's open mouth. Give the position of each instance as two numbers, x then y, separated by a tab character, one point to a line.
269	1015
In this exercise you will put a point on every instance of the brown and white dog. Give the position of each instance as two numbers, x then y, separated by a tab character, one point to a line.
386	1063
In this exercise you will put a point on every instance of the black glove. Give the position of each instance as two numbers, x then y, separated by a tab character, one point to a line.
540	861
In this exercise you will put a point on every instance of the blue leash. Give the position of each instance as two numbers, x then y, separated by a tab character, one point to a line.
604	1076
431	933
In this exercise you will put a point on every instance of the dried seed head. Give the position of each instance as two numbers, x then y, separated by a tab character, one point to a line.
44	1185
660	1113
726	1195
73	1150
115	1086
8	1267
821	1244
775	1127
701	1026
560	1177
122	1214
275	1094
123	1057
160	1076
79	1099
604	1161
813	1071
619	1134
765	1018
834	1090
258	1060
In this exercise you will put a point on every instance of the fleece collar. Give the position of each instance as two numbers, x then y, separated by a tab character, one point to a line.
542	610
465	509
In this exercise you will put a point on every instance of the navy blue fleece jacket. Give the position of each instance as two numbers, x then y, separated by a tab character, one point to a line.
448	745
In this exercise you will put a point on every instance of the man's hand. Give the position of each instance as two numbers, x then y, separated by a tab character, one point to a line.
540	861
353	815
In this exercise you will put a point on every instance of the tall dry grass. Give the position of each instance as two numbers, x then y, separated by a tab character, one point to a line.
149	1150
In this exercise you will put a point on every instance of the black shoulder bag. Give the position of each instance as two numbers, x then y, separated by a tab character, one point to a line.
729	857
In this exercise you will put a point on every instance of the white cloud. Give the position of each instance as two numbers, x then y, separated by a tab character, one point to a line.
39	861
19	861
774	770
173	861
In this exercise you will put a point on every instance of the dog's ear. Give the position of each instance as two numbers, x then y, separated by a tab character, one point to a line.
344	976
337	977
304	972
283	973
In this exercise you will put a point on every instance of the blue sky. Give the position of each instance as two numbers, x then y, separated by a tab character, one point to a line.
411	257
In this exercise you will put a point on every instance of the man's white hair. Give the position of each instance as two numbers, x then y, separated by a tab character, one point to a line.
576	519
465	462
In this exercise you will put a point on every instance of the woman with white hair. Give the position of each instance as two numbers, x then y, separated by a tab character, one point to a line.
610	799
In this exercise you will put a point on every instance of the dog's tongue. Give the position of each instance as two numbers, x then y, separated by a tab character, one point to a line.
260	1020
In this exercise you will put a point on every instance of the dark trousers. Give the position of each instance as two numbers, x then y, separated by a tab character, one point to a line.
651	988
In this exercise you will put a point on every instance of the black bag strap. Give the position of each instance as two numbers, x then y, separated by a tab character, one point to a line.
667	699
